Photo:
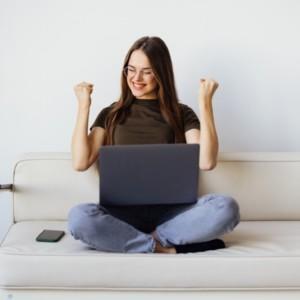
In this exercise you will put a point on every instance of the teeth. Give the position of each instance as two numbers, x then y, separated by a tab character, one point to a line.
138	85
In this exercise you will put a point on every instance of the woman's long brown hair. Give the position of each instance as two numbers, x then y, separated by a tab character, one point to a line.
160	60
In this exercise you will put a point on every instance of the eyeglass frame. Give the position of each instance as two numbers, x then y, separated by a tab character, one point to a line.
144	75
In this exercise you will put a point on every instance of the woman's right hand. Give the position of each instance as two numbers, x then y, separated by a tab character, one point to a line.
83	93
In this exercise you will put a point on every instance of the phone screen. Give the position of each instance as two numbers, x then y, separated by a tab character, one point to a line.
50	235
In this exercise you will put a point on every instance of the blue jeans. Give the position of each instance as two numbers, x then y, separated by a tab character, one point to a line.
128	229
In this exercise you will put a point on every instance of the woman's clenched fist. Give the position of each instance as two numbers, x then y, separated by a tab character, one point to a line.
83	93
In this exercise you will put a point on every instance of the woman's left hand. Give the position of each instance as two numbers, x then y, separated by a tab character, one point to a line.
207	89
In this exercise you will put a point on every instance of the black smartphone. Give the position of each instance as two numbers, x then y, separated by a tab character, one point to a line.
50	235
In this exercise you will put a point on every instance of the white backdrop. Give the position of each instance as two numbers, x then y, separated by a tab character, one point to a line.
250	47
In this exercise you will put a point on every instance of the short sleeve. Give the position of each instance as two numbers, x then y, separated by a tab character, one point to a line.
101	118
190	119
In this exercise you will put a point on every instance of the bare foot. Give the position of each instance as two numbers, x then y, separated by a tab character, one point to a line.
160	249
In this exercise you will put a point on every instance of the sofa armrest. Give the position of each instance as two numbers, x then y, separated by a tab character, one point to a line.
6	187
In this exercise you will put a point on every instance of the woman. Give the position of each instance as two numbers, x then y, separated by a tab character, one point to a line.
148	112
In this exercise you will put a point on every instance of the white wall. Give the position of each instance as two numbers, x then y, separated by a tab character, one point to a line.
250	47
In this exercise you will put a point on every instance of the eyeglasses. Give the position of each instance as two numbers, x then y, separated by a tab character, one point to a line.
130	71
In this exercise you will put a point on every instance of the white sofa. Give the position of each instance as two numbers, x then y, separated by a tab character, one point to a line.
261	261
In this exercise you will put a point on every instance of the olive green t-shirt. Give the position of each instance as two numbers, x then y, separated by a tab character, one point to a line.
145	124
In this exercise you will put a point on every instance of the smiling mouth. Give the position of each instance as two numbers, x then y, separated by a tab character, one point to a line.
138	85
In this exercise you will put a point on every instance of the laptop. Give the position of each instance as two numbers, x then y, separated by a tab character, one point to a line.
148	174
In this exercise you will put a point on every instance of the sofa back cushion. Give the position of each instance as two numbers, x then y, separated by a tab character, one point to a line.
266	185
46	186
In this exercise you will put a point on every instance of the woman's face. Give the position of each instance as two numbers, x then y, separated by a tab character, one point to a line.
140	77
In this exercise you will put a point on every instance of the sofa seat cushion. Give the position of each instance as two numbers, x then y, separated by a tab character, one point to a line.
259	254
